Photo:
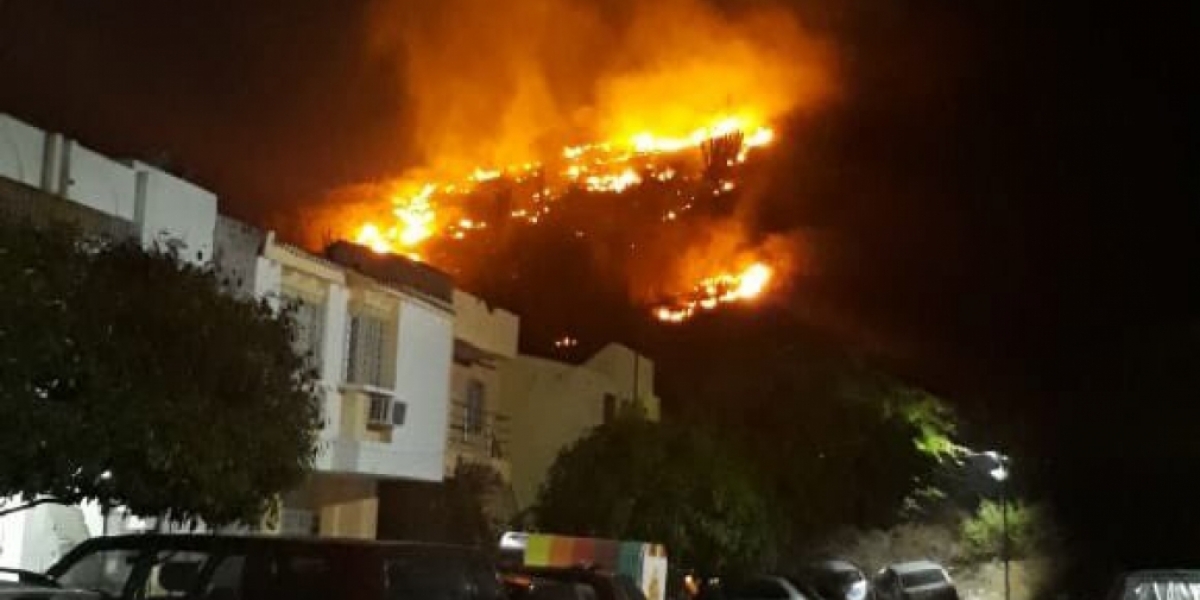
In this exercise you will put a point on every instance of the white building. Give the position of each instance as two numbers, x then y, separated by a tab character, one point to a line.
157	207
380	331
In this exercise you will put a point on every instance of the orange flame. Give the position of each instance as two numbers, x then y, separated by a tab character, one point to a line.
725	288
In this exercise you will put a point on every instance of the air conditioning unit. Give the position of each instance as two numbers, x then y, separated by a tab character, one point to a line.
385	410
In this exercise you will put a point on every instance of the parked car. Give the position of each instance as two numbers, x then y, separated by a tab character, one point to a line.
1157	585
569	583
920	580
767	587
836	580
211	567
26	592
18	584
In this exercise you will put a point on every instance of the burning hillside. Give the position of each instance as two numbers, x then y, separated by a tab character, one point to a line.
652	154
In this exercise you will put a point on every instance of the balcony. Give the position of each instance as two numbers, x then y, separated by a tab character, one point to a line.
479	438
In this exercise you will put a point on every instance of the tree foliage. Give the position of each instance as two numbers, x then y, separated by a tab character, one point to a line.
1030	531
836	442
127	378
638	480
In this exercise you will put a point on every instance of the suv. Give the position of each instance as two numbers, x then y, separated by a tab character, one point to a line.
1163	584
213	567
836	580
920	580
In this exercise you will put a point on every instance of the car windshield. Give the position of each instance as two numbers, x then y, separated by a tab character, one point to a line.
116	572
923	578
105	571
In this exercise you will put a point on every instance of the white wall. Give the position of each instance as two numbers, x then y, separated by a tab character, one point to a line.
36	538
168	208
162	206
423	359
98	182
21	151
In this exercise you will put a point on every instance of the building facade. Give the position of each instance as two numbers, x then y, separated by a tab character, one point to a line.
382	348
552	404
485	339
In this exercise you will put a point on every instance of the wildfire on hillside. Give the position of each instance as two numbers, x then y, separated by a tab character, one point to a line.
628	139
699	162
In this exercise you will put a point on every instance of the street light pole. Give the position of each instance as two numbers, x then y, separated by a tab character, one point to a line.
1000	474
1004	543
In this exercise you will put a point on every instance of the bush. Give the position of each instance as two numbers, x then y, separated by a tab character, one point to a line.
1030	531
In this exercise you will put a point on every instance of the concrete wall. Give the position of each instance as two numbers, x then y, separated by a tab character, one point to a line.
553	404
94	180
236	250
170	210
493	330
21	151
631	374
162	207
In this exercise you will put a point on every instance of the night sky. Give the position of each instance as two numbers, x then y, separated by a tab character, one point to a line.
1007	182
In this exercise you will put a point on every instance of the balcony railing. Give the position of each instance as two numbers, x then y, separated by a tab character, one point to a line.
484	434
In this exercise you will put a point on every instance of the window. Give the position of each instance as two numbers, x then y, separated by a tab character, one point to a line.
419	577
310	328
758	589
225	582
365	355
106	571
305	574
923	578
149	574
473	413
379	411
610	408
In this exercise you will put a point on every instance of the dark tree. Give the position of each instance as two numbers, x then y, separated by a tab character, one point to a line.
637	480
127	378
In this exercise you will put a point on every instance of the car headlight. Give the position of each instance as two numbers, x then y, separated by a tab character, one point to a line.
857	591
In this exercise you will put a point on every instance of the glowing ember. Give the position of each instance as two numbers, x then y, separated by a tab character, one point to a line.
711	292
612	183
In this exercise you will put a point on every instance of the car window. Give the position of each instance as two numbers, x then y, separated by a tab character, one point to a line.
104	570
757	589
137	572
432	577
169	574
225	582
305	573
923	578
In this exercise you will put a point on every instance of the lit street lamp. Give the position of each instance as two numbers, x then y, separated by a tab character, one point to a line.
1000	472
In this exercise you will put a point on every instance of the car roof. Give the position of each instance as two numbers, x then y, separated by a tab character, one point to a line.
1160	574
915	566
203	539
26	592
834	565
